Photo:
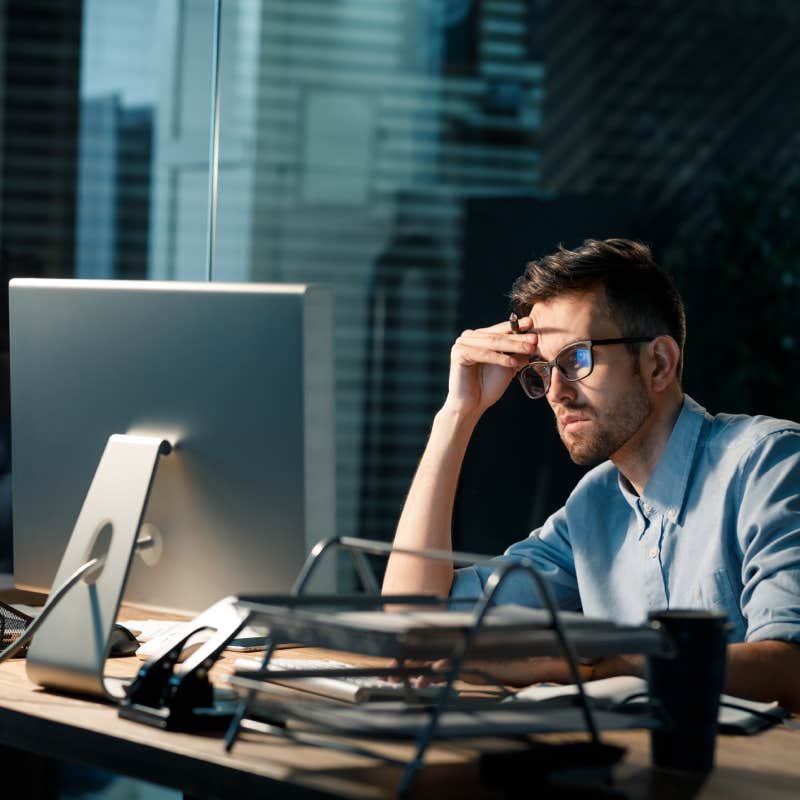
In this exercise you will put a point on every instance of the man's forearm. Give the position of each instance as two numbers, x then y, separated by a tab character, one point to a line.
765	671
428	511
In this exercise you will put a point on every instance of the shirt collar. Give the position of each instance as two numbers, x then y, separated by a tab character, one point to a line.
666	490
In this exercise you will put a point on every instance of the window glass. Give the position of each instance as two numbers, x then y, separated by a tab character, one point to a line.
372	126
414	154
118	100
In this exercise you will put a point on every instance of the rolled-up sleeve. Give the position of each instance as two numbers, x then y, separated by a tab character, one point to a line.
769	531
549	550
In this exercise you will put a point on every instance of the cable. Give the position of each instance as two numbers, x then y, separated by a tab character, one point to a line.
53	601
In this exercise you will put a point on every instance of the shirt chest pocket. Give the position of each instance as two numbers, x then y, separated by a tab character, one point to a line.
715	592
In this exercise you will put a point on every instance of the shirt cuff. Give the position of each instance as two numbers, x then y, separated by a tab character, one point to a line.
466	583
786	631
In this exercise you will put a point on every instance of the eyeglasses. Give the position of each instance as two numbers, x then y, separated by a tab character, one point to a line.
575	362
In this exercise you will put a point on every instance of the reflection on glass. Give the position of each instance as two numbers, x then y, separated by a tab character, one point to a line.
370	124
118	94
414	153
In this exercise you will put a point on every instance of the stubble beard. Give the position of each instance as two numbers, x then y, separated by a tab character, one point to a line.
603	439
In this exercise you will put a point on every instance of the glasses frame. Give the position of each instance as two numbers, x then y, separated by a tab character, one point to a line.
548	365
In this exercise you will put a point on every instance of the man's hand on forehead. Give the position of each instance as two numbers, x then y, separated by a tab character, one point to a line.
520	324
484	361
490	345
524	325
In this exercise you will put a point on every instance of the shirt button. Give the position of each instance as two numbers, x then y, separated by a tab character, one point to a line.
648	508
672	513
653	552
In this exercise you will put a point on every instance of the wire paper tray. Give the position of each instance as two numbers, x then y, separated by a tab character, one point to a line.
428	629
12	624
395	720
423	633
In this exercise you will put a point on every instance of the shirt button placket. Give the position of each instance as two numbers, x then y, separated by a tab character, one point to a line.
656	591
641	526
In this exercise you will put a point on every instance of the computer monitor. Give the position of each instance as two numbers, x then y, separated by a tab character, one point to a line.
238	377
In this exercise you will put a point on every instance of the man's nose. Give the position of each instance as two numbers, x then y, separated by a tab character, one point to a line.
560	388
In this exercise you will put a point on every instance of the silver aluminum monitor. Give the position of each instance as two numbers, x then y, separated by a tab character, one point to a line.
237	376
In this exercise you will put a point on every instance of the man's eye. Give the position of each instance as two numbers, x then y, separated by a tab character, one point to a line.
577	360
583	357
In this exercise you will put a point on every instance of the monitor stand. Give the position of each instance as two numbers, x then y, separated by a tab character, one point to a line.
69	650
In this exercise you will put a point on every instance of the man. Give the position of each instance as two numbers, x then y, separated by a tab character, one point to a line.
684	509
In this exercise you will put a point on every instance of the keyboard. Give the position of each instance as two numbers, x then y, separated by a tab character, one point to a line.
353	689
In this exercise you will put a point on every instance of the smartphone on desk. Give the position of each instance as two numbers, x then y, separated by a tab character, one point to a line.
246	645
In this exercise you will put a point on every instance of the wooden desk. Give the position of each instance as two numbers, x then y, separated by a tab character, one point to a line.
76	730
71	729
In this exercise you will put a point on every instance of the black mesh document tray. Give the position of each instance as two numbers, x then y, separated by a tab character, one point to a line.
430	632
395	720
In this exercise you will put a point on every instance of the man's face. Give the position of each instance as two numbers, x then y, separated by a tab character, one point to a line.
599	415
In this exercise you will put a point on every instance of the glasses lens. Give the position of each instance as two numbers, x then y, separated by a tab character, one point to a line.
576	362
535	380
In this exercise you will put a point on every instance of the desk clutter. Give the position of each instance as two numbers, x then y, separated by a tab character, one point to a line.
272	698
336	680
341	702
736	715
154	635
422	632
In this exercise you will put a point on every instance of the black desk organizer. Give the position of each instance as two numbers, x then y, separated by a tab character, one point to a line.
174	696
484	632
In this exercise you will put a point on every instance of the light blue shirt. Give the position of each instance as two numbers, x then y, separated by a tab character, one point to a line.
718	527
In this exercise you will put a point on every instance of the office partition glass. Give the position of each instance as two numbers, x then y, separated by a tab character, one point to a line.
416	154
371	126
142	190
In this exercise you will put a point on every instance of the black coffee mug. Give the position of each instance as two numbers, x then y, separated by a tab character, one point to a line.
688	687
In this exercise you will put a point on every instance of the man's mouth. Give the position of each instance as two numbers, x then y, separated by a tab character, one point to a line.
571	421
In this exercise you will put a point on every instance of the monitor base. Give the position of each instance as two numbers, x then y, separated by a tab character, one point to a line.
69	650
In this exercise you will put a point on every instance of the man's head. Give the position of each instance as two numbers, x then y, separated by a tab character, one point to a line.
605	290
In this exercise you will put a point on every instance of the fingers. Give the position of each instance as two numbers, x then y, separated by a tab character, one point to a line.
504	342
494	336
411	665
473	672
525	326
421	681
505	672
491	346
466	356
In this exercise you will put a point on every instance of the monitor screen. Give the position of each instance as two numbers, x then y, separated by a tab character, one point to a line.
238	377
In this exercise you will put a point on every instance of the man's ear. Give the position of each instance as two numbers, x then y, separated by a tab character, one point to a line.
665	355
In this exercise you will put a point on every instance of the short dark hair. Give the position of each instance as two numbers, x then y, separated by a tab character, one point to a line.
642	298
